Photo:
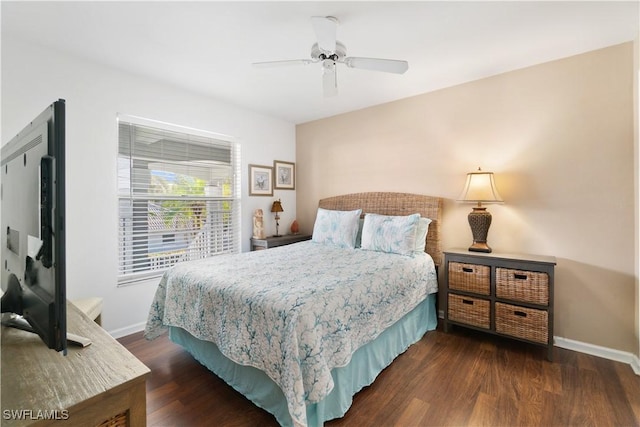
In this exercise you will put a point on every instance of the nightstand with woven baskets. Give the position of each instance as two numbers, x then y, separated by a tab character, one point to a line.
503	294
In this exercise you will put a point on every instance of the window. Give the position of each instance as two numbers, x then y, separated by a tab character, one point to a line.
179	196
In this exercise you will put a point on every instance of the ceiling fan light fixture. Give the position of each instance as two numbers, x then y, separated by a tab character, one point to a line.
338	54
328	65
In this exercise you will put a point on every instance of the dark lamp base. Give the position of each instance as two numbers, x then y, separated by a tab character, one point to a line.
479	221
479	247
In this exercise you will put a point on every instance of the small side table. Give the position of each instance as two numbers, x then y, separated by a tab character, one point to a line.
503	294
272	241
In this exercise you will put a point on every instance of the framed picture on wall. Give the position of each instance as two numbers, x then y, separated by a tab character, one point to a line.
260	180
285	175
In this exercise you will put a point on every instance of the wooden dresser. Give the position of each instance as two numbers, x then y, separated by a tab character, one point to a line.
504	294
99	385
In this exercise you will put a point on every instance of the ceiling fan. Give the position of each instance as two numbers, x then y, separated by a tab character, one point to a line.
329	52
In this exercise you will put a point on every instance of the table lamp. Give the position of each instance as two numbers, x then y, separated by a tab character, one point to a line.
480	188
277	207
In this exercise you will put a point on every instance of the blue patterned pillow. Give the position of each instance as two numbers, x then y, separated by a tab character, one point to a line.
337	228
393	234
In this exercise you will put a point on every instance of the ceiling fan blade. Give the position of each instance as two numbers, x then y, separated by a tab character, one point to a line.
329	78
375	64
325	28
285	63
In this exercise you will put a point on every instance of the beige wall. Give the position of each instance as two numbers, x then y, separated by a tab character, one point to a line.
560	138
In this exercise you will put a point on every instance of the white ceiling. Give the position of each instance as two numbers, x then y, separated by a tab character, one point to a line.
208	47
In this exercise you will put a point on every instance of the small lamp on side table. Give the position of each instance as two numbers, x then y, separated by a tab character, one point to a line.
480	188
277	208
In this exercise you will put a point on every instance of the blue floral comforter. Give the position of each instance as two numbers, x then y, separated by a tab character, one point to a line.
294	312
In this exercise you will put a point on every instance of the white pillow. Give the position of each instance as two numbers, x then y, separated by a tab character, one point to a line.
393	234
421	234
337	228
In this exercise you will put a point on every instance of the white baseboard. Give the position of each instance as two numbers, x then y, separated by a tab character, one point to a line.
594	350
123	332
635	365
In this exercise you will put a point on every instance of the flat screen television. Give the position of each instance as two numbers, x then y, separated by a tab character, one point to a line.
32	195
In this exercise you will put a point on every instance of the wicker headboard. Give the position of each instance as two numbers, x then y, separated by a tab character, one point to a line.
395	204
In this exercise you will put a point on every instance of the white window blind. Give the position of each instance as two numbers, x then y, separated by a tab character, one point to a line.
179	198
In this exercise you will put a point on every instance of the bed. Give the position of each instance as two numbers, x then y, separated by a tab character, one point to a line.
300	329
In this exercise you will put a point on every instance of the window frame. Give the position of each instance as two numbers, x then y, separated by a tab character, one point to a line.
126	238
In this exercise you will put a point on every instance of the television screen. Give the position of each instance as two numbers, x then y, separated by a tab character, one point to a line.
33	231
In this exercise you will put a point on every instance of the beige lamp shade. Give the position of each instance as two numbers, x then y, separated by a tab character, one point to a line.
481	188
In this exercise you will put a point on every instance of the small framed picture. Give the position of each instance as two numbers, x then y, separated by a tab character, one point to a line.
260	180
285	175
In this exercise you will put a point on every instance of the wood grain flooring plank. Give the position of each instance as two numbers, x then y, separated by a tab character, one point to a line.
614	393
413	414
590	407
167	415
552	378
162	396
484	411
631	385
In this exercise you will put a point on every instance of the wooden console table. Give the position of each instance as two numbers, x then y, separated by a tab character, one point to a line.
102	384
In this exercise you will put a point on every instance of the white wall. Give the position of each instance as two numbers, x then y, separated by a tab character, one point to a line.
33	77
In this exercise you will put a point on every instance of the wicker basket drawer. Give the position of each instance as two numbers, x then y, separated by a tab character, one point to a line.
527	286
472	311
522	322
469	277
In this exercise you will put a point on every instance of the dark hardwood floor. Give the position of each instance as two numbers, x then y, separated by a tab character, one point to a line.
462	378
